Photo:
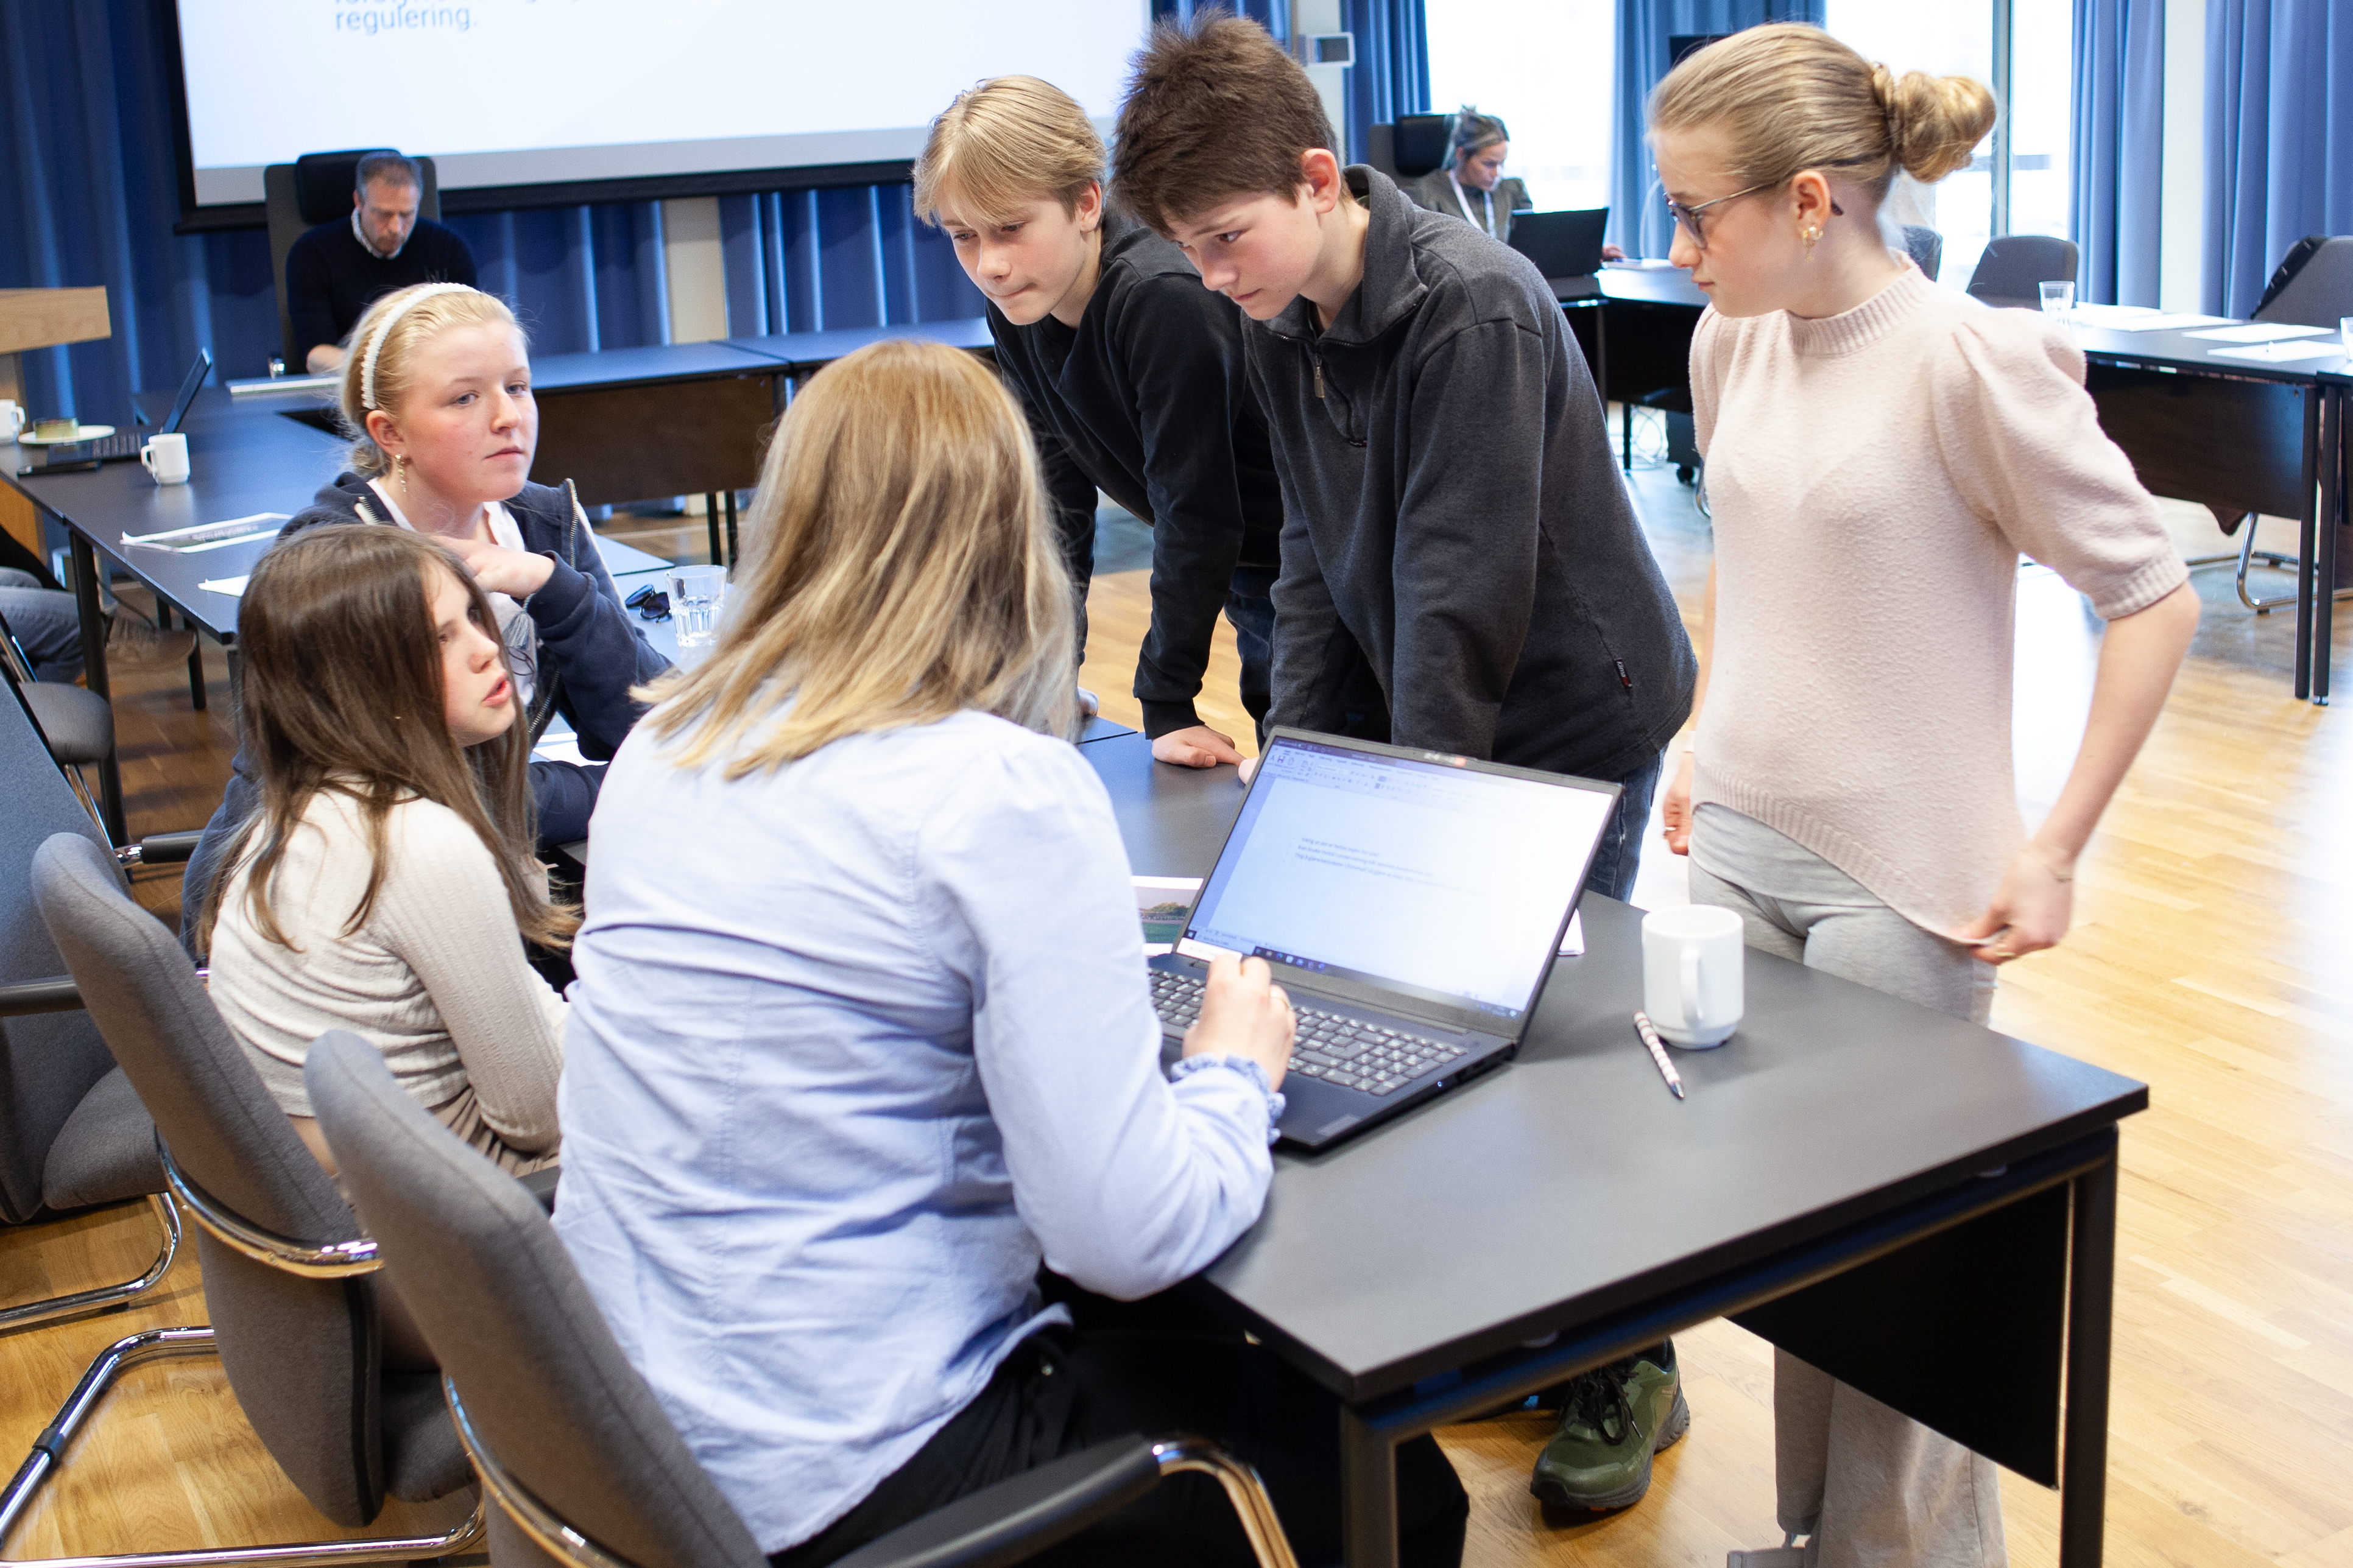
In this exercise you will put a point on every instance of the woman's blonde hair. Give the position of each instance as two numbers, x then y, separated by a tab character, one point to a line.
414	323
1790	96
1003	144
901	568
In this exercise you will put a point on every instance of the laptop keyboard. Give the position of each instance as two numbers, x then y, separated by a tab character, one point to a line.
1348	1052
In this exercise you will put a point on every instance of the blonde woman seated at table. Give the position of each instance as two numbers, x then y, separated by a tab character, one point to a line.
862	1031
385	882
1471	185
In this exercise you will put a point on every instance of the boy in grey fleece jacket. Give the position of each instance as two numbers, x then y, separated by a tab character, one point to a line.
1462	569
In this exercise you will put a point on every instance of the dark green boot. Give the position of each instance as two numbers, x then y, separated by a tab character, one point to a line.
1611	1420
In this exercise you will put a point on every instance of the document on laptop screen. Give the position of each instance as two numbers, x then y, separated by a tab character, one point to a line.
1418	876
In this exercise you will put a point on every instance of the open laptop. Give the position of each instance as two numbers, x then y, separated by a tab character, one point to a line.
123	446
1565	245
1410	903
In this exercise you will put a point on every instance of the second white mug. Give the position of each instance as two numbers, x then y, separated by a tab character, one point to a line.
167	457
11	419
1692	974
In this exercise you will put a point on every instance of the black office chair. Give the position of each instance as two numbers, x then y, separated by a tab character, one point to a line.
2312	287
2013	264
1411	147
1926	248
316	188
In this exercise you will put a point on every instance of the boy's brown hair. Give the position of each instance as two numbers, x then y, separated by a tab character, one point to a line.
1214	110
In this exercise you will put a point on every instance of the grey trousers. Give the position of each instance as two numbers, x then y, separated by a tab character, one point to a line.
1872	1488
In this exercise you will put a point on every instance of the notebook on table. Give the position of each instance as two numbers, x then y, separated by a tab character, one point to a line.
1565	245
1411	903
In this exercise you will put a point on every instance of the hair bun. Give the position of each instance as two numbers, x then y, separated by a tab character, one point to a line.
1934	124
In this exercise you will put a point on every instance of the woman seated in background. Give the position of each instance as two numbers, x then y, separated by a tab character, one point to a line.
862	1032
437	394
384	882
1472	186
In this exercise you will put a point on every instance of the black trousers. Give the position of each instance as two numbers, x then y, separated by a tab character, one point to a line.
1066	1389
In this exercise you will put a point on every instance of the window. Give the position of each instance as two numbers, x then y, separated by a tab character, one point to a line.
1957	39
1544	69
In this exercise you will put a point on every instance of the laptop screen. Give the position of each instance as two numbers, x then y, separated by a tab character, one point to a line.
1427	881
189	385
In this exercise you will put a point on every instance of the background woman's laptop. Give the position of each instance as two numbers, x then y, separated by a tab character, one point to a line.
1410	903
124	446
1565	245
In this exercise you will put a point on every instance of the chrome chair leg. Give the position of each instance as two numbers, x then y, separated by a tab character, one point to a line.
1243	1490
154	1344
34	1312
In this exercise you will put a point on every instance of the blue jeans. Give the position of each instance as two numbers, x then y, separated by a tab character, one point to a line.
46	623
1250	606
1621	855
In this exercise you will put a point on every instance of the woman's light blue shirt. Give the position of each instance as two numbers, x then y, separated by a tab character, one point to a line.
855	1043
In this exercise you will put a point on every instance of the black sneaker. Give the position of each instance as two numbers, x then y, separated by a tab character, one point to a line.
1612	1420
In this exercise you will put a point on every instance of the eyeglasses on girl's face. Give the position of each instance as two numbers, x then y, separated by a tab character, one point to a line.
1694	224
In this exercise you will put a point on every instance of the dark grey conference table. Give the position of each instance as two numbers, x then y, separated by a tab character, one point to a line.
1924	1208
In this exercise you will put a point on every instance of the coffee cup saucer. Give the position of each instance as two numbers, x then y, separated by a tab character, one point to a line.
87	433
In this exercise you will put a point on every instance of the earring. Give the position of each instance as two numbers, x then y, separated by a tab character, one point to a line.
400	464
1809	235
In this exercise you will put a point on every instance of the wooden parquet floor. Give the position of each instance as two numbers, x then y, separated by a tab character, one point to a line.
2212	956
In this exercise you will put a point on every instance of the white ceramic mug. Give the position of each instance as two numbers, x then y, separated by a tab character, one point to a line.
167	457
1692	959
11	419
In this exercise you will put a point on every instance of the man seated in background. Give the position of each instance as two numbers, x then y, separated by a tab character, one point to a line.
337	269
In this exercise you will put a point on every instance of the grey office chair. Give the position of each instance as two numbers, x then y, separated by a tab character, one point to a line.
587	1470
2312	287
1927	247
72	1133
316	188
76	726
2013	264
285	1264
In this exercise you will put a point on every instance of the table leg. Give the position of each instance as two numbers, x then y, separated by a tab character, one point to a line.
1368	1494
2332	520
2308	543
195	663
711	525
730	527
94	664
2091	1292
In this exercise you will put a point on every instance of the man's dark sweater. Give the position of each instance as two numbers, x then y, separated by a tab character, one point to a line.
331	276
1455	516
1147	400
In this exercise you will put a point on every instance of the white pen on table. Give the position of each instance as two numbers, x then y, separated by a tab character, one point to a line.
1643	1027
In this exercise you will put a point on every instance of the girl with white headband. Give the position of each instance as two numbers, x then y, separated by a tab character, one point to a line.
437	393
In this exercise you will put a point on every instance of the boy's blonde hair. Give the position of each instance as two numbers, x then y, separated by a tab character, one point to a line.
1790	96
1003	144
900	568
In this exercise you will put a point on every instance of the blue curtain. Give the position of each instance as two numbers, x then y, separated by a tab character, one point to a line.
1637	218
2118	149
1391	76
2279	138
89	193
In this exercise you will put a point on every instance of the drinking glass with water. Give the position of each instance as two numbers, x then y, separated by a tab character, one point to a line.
696	596
2058	299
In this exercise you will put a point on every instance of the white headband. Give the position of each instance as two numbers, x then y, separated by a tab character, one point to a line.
383	330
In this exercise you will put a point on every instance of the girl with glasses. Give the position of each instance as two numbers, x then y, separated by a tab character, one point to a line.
1880	453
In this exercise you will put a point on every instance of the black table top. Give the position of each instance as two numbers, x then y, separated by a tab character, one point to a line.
639	366
811	350
2180	350
1569	1185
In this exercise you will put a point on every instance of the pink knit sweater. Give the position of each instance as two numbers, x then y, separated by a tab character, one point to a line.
1874	476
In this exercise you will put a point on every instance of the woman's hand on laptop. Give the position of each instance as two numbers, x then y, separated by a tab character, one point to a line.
1245	1013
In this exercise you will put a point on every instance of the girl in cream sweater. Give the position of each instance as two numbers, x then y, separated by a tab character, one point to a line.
1880	452
386	885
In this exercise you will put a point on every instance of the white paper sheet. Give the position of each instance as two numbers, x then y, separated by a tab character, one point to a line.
209	535
231	587
2281	354
1572	942
2258	332
2153	323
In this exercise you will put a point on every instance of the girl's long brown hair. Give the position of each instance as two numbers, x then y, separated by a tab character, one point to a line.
343	693
900	569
